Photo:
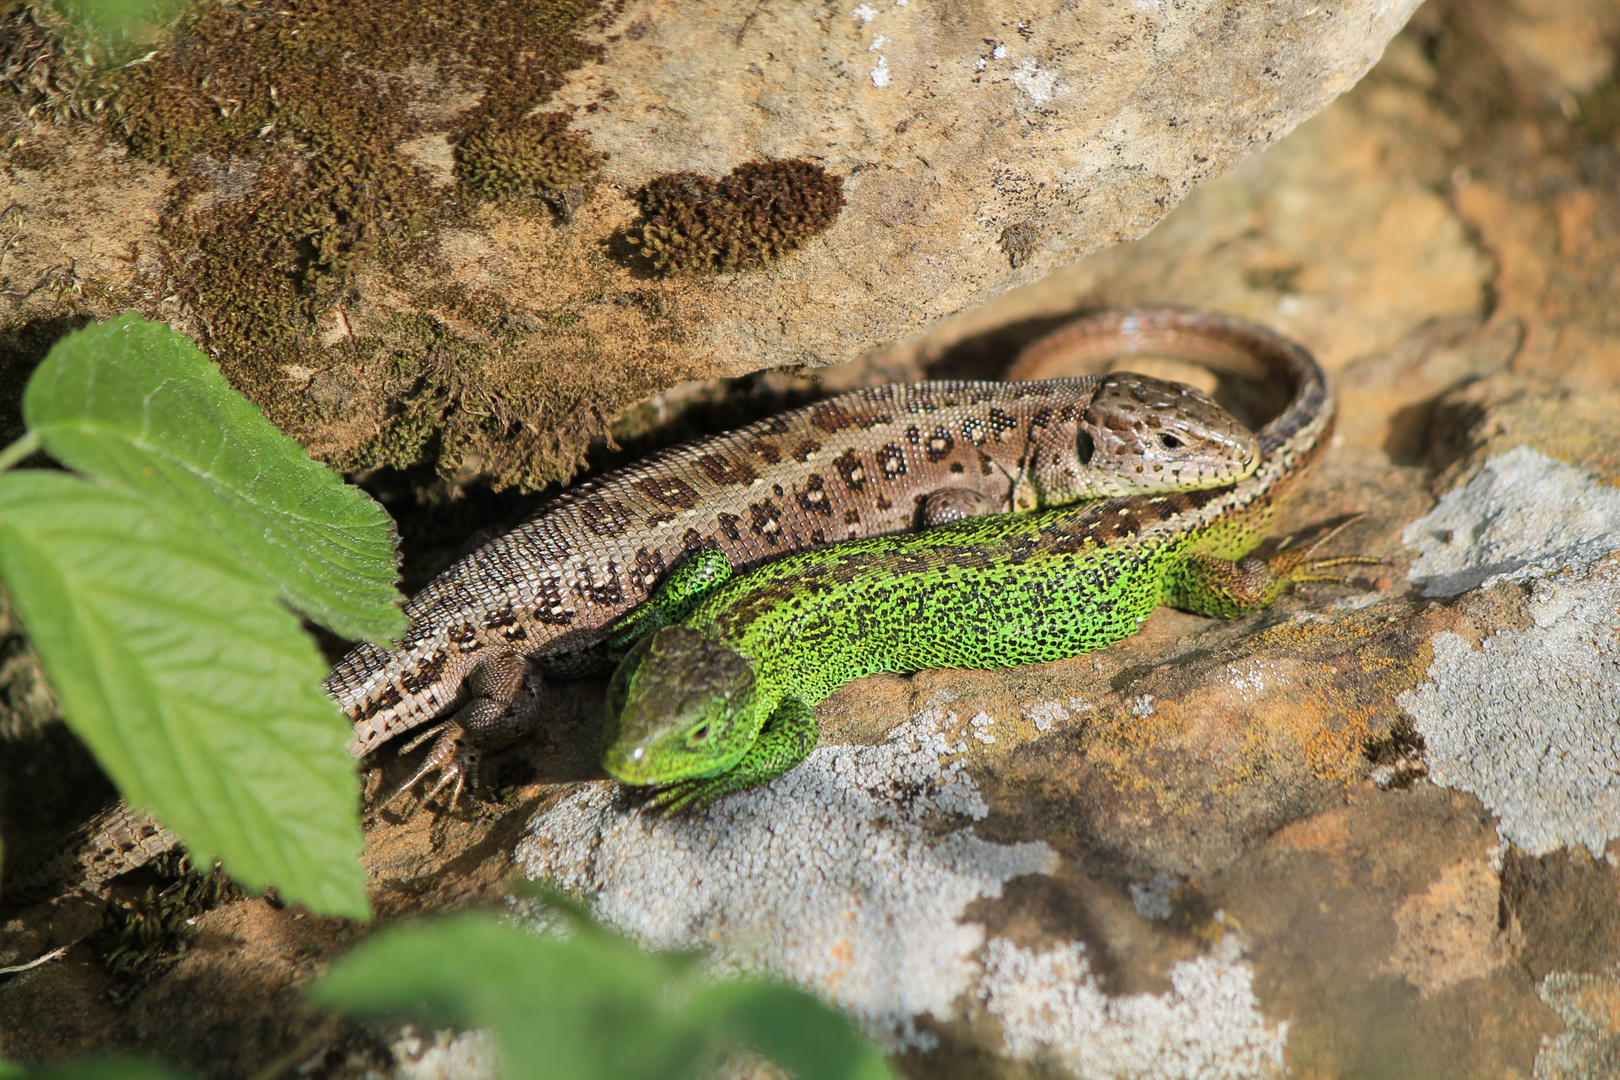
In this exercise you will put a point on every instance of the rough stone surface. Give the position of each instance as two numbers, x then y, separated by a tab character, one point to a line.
1214	848
461	275
842	848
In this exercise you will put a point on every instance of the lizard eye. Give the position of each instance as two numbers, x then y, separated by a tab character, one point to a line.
1169	441
700	733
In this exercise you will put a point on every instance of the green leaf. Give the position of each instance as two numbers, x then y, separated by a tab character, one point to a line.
590	1006
792	1028
133	404
106	1069
197	691
575	1009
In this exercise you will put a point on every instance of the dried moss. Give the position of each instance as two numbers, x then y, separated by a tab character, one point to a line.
503	160
757	213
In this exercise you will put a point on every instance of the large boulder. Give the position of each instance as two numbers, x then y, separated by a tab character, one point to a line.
476	233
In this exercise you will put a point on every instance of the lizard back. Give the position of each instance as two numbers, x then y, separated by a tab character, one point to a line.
856	465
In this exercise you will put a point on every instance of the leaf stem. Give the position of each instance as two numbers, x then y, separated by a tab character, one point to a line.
19	450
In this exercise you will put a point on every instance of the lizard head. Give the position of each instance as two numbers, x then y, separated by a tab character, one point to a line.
1143	436
680	705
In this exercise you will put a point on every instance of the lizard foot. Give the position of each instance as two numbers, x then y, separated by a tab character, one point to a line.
1295	564
482	725
452	757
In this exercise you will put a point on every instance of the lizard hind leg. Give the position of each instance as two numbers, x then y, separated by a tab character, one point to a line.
507	698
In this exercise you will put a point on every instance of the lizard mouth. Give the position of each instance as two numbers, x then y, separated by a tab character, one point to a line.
628	764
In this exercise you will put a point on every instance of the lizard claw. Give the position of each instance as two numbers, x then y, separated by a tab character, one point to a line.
485	723
1296	564
452	758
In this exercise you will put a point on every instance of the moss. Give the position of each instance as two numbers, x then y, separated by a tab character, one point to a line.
503	160
140	939
757	213
284	123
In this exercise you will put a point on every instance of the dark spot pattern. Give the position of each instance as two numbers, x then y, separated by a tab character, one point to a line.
606	517
850	468
891	460
551	603
724	470
424	673
766	521
831	418
939	446
728	526
668	491
606	593
769	452
650	568
814	496
1000	422
806	447
501	616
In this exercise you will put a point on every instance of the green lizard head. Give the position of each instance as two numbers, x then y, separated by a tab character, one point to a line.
680	706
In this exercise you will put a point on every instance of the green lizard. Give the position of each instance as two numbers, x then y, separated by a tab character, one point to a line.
720	700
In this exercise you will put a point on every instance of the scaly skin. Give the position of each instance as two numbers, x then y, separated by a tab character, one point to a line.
722	700
536	601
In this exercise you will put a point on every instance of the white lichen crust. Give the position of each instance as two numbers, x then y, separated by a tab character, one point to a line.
1527	721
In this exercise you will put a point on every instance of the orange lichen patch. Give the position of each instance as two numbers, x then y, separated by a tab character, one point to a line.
1452	931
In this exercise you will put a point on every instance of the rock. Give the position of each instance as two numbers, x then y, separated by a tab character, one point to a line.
1370	831
417	234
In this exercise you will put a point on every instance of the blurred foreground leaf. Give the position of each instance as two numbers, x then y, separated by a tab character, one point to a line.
196	690
135	405
103	1069
590	1006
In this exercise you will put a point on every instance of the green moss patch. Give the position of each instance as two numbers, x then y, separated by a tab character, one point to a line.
754	215
505	160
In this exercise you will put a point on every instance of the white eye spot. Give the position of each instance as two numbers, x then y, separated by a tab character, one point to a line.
638	753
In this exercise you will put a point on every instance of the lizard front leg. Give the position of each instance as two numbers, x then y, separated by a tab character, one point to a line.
1228	589
787	739
694	578
506	695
